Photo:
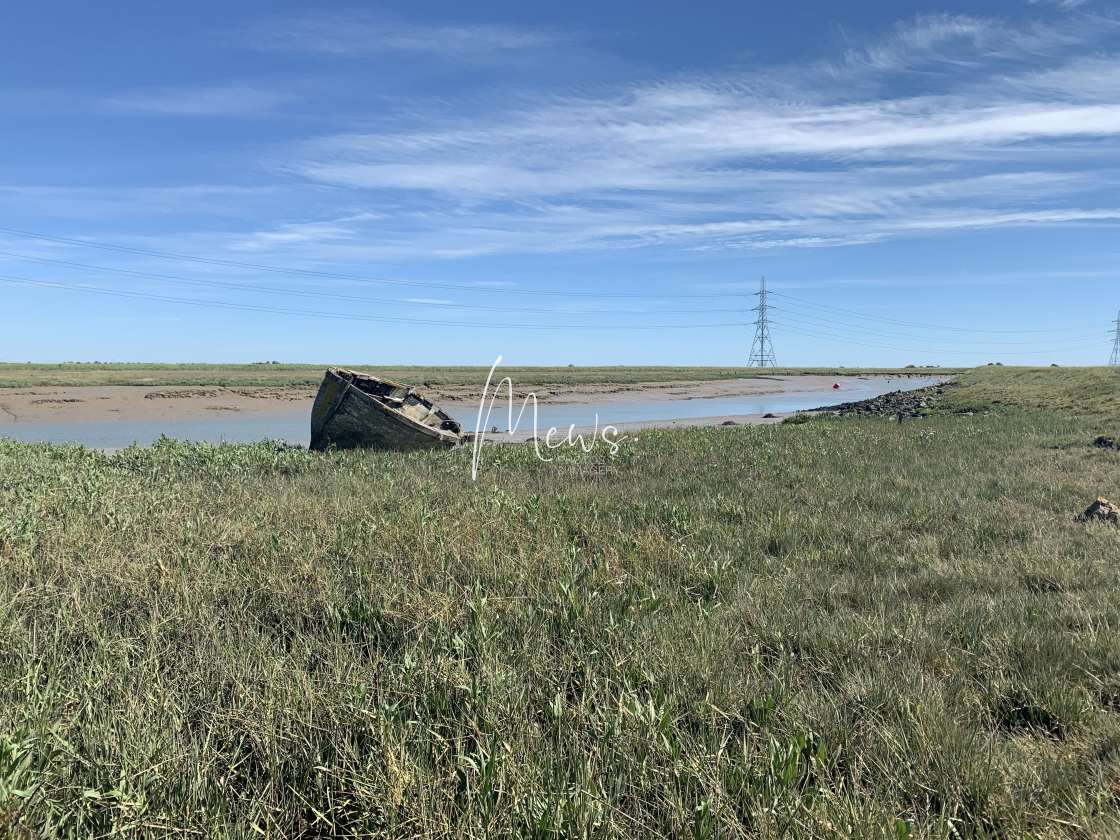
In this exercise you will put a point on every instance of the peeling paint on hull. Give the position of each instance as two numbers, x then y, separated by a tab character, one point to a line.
355	410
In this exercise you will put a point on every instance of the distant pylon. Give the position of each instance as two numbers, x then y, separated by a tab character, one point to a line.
762	350
1115	359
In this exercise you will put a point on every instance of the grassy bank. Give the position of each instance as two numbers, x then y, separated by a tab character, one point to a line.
848	627
25	375
1081	390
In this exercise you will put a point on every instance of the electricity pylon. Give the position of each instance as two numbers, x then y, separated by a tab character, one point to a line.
1115	359
762	350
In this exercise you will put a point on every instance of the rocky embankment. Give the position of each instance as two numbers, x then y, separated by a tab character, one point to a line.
897	403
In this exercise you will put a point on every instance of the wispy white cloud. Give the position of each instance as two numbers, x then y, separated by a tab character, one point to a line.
635	145
942	123
1062	4
1011	125
294	234
944	44
357	35
306	233
1088	79
214	101
952	39
122	204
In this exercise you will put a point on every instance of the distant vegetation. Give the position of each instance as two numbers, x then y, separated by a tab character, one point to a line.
278	374
848	627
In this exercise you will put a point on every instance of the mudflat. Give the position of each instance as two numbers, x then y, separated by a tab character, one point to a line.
60	404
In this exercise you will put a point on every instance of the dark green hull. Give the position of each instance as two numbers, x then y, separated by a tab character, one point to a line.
354	410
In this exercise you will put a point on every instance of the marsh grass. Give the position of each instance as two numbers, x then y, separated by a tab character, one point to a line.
1082	391
847	627
14	374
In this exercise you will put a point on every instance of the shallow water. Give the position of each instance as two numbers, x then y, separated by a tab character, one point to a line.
293	426
644	410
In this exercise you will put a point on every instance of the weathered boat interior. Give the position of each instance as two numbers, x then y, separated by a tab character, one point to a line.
402	398
357	410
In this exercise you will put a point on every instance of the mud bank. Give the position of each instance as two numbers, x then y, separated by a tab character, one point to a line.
155	403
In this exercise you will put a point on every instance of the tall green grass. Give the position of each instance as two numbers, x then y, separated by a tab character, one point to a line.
846	628
1082	391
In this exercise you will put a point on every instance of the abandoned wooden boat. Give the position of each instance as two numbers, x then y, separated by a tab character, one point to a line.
357	410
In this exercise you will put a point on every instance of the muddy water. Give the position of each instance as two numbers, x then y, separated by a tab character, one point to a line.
623	412
291	425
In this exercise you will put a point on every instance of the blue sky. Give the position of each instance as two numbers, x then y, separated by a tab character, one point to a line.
559	183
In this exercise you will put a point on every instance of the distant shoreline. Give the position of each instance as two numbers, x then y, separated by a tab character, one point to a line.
74	374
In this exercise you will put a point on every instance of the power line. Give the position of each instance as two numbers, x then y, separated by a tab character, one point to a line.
762	349
217	304
815	321
331	275
834	319
914	324
913	349
263	289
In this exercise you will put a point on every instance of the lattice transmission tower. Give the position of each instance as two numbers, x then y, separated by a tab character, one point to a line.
1115	358
762	349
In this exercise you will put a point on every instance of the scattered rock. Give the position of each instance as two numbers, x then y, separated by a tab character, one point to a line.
257	393
1101	510
1109	697
182	394
797	419
729	423
898	404
1103	442
1043	584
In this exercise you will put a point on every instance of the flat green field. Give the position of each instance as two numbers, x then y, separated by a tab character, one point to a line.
847	627
75	374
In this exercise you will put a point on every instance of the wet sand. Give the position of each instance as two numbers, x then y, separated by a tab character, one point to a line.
147	403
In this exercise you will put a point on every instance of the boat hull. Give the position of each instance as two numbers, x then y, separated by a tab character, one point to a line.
347	417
